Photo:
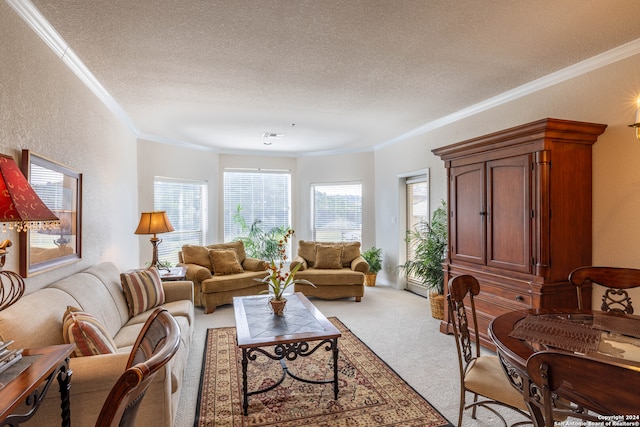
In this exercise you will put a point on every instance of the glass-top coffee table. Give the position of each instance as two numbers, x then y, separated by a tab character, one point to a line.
282	337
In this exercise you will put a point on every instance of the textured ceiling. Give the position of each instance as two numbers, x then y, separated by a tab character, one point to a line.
330	75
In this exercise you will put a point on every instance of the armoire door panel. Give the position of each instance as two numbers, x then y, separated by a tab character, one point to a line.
468	213
509	213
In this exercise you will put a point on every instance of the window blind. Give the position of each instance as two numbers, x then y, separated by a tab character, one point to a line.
185	202
337	212
260	195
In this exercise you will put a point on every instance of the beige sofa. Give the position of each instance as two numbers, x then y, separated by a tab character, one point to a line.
36	321
335	268
216	279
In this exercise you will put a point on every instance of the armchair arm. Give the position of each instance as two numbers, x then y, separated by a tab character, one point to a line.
178	290
197	273
360	264
298	260
254	264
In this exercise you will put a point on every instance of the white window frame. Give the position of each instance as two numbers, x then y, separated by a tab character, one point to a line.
258	206
185	232
339	233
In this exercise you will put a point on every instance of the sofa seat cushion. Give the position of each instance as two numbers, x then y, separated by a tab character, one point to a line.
232	282
127	336
326	277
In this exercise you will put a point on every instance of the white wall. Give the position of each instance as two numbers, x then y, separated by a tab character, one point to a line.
46	109
605	96
333	169
175	162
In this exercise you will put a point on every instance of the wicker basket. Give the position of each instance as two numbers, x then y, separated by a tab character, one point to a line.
437	305
370	279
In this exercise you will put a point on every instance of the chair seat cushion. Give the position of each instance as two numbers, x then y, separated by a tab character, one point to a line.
233	282
324	277
487	378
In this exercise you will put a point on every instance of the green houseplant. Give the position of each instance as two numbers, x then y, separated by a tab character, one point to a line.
278	280
258	241
430	244
373	256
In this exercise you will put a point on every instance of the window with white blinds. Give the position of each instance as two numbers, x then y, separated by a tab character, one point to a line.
337	212
260	195
186	204
417	196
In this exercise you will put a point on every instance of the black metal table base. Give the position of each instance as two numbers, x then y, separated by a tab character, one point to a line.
33	401
289	351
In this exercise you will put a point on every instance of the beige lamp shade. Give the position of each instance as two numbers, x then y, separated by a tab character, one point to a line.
154	223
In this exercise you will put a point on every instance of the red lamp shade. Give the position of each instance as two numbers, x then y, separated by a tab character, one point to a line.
19	205
18	202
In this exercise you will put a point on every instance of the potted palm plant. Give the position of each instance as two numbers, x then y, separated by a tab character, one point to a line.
430	243
373	256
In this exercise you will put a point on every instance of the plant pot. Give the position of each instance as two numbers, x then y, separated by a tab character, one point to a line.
370	279
437	305
278	306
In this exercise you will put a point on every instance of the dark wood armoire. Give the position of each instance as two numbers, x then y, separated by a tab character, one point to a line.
519	205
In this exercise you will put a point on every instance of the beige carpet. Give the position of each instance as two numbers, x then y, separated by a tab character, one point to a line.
371	393
395	324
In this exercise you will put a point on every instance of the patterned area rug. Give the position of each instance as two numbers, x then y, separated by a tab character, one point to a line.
371	393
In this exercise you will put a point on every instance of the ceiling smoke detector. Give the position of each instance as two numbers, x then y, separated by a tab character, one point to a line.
270	136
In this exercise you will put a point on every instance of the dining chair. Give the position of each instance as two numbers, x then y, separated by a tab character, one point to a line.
481	375
569	385
156	344
616	282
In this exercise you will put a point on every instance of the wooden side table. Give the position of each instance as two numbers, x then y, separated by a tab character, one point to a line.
45	364
174	273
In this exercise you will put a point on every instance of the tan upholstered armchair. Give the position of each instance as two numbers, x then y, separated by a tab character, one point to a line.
335	268
220	272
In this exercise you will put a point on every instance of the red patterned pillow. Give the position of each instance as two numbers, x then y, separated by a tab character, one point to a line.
143	290
86	332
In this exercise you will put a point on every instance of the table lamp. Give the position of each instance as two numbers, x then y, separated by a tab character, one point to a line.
20	209
154	223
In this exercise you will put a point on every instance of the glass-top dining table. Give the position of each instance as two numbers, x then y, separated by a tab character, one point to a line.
600	335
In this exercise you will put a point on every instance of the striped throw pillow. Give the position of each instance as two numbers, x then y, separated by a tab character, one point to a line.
143	290
86	332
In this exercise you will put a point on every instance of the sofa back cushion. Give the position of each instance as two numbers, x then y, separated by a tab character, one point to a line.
194	254
36	319
199	255
307	250
350	251
97	291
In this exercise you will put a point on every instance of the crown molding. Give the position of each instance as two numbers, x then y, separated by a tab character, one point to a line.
32	16
606	58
